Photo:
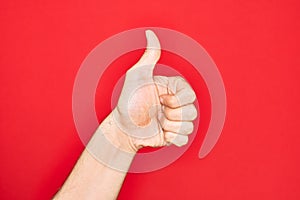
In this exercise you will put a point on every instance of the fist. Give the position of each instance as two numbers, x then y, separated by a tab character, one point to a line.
154	110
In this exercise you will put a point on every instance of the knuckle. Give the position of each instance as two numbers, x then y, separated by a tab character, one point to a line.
180	78
193	112
184	140
191	95
189	127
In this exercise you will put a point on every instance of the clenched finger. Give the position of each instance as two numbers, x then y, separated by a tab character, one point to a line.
180	127
178	140
185	113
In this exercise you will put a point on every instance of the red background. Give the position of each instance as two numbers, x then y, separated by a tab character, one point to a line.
255	44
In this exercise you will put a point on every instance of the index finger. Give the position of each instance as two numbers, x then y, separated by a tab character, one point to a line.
180	93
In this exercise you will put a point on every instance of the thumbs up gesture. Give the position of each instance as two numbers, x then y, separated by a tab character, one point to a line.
153	110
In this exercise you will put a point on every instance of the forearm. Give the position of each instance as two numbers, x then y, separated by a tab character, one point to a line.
90	178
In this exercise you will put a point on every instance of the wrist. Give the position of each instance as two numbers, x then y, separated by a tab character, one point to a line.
116	136
111	147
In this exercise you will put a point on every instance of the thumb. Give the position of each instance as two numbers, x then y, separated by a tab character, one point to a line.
144	67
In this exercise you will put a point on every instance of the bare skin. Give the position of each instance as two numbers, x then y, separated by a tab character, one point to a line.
152	111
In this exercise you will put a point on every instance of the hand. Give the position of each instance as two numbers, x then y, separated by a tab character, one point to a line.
153	110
